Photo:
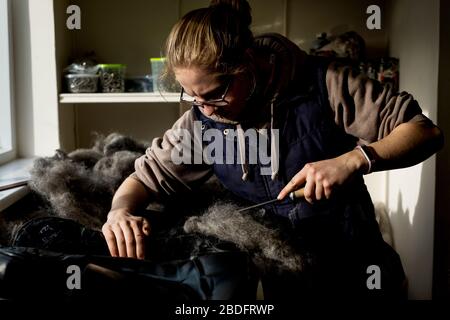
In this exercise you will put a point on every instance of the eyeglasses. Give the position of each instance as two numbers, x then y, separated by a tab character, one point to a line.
220	102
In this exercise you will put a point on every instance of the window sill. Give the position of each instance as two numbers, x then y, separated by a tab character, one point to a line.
13	178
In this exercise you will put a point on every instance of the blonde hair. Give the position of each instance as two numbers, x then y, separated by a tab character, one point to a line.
213	38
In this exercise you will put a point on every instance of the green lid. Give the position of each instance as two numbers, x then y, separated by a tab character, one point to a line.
112	65
157	59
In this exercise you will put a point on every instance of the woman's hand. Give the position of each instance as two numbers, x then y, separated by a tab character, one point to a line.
323	177
125	234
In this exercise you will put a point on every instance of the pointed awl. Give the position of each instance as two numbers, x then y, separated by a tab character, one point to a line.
300	193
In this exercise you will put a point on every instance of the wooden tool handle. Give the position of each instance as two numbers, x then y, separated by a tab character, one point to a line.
300	193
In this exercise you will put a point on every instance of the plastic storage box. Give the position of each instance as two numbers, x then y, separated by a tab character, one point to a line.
112	77
157	69
82	83
162	83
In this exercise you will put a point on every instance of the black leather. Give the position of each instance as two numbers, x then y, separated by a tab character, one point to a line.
29	273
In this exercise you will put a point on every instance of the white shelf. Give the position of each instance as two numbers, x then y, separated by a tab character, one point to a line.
128	97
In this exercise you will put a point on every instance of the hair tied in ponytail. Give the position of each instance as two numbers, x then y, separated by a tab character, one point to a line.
241	7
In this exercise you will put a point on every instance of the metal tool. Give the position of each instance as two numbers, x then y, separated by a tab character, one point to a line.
300	193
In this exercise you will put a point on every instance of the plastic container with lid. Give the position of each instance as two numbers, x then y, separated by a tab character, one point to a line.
112	77
82	83
162	84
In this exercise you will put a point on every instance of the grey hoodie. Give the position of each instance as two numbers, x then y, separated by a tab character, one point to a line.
362	107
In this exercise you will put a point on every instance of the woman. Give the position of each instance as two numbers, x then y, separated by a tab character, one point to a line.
327	126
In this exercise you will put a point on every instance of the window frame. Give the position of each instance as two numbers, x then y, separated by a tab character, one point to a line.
7	128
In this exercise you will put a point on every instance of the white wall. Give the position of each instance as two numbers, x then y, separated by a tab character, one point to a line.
410	193
35	78
64	48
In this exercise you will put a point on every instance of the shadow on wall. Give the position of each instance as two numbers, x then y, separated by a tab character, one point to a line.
413	233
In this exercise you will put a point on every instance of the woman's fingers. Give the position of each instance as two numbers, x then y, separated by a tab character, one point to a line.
125	237
310	187
327	189
130	240
120	240
145	227
295	183
110	240
319	195
320	179
139	238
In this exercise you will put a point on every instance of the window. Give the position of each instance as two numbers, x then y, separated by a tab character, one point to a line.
7	138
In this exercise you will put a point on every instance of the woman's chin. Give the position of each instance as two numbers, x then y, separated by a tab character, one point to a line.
225	118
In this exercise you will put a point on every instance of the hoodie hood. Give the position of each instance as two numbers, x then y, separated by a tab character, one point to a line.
287	60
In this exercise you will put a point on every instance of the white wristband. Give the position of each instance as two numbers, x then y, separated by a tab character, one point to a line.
369	162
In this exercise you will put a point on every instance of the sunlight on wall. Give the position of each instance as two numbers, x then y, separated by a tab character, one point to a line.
406	182
411	191
376	184
405	195
411	210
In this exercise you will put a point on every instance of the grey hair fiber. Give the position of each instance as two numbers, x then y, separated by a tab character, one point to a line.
80	185
115	142
222	220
